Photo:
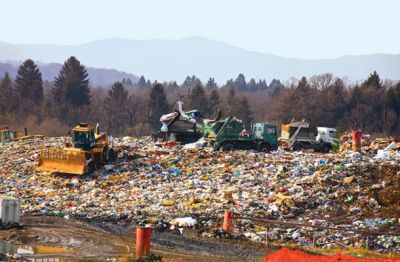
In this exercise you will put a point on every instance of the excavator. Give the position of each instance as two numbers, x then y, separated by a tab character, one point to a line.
89	149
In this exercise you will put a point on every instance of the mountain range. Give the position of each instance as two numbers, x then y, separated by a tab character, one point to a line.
97	76
166	60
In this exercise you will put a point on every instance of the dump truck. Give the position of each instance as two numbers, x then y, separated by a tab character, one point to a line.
185	127
230	134
89	149
300	135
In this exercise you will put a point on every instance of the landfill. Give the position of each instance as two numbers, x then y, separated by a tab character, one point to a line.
191	186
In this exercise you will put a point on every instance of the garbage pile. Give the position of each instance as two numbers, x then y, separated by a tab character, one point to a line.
193	185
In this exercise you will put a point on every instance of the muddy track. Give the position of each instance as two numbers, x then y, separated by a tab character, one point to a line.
98	240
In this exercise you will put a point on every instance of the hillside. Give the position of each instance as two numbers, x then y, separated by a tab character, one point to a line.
97	76
175	59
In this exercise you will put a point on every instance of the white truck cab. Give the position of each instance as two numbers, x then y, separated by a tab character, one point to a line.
327	135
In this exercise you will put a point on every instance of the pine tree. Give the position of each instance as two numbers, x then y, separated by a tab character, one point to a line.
252	85
373	81
173	86
240	82
214	102
72	84
261	84
29	84
142	82
116	108
191	81
148	83
275	86
244	112
158	105
6	95
198	100
211	84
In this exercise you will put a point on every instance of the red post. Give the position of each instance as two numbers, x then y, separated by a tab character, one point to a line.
143	237
229	222
356	140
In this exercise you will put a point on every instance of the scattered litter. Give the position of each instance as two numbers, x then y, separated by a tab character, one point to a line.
193	185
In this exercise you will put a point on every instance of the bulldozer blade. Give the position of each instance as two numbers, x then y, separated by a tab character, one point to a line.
56	160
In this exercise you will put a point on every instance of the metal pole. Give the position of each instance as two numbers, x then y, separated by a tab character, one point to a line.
313	239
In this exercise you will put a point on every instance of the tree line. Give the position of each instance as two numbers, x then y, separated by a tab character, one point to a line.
134	108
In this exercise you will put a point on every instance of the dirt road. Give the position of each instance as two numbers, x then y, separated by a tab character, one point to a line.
73	239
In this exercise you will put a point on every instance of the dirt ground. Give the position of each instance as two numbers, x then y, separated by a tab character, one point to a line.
53	237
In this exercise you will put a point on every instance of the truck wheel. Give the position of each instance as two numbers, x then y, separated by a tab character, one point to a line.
228	147
264	148
326	148
297	147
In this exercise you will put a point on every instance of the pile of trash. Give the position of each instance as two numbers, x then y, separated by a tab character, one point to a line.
388	147
192	185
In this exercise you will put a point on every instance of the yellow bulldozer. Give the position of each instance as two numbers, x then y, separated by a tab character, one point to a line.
89	149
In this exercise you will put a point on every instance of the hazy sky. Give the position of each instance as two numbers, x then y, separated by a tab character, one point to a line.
293	28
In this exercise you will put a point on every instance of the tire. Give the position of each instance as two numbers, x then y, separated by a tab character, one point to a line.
297	147
264	147
227	147
326	148
90	167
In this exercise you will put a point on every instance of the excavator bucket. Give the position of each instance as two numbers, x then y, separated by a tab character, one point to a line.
62	161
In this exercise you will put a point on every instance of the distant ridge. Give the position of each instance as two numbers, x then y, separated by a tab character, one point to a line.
175	59
97	76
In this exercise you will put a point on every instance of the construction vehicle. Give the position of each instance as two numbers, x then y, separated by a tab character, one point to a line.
300	135
184	127
7	135
89	149
230	134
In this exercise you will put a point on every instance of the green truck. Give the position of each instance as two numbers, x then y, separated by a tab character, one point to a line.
230	134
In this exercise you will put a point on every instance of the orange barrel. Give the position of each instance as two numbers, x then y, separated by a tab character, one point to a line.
356	140
228	221
143	236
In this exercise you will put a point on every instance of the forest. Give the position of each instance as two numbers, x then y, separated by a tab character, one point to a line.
134	109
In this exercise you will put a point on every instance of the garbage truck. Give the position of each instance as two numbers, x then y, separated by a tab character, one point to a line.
230	134
300	135
185	127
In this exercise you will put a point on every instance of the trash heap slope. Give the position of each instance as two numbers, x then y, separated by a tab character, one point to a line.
151	182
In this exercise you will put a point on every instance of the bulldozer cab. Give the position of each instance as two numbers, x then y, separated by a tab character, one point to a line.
83	137
5	136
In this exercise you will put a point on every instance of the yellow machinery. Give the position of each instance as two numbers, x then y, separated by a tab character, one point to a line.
7	135
89	149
